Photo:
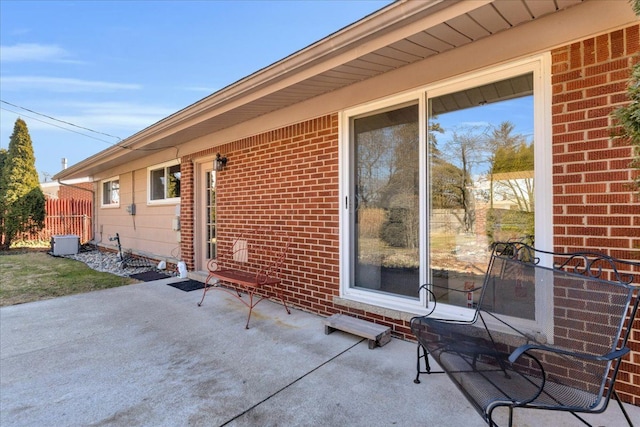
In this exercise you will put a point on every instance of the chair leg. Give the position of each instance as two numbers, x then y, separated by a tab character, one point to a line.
417	380
624	411
426	363
204	291
250	293
248	318
281	296
492	423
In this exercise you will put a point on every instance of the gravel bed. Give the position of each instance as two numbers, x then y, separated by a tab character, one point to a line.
110	262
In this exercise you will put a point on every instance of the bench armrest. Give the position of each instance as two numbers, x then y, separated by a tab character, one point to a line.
609	356
429	286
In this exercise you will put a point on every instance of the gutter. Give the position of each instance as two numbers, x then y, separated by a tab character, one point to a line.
73	186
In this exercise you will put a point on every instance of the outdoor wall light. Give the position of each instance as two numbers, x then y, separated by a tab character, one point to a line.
220	162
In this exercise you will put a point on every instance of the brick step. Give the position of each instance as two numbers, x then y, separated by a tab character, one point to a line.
377	335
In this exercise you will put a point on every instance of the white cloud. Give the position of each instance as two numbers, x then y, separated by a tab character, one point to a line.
122	116
61	85
471	126
121	119
117	107
30	52
203	89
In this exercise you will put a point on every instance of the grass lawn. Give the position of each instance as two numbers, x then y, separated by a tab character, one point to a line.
28	275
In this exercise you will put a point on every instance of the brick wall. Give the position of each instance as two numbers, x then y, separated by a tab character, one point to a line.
187	213
81	191
287	180
595	207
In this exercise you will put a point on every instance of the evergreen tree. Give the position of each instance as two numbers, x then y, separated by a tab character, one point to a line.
22	202
512	162
3	160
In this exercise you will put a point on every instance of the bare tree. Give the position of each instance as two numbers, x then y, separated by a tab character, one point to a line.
374	166
467	150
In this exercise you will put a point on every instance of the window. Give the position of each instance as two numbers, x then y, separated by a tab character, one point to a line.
431	178
164	183
480	180
111	192
210	206
385	191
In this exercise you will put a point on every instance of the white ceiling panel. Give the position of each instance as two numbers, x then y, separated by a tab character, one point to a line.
540	8
430	42
489	18
514	11
563	4
448	34
464	24
398	54
350	68
413	48
375	67
387	62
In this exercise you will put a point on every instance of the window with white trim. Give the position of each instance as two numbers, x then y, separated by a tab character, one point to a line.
431	178
164	183
110	192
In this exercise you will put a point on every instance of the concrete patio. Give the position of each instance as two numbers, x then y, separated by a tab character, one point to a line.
146	355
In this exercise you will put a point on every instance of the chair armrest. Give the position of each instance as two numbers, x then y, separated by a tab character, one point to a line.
213	265
428	287
609	356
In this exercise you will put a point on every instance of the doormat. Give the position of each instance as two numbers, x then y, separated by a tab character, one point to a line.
187	285
148	276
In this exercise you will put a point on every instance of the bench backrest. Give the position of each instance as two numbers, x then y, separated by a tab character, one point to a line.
260	251
587	308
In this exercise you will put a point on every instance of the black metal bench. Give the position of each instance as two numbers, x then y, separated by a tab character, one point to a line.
570	365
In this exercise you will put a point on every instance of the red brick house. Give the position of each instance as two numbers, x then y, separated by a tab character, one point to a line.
394	151
77	189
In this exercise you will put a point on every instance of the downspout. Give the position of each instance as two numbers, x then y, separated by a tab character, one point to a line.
132	210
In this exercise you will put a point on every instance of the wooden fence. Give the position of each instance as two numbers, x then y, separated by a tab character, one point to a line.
64	217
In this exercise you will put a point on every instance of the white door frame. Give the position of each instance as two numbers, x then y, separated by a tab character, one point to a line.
201	167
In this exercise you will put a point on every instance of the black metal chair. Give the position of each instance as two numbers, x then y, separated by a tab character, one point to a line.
571	365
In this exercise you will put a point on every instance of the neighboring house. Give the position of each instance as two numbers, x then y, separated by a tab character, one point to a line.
77	189
69	209
372	149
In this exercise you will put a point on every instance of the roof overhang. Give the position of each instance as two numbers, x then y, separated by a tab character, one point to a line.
398	35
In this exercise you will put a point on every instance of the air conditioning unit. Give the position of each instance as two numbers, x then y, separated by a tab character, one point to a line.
65	245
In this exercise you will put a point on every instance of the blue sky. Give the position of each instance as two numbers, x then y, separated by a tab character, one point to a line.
116	67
